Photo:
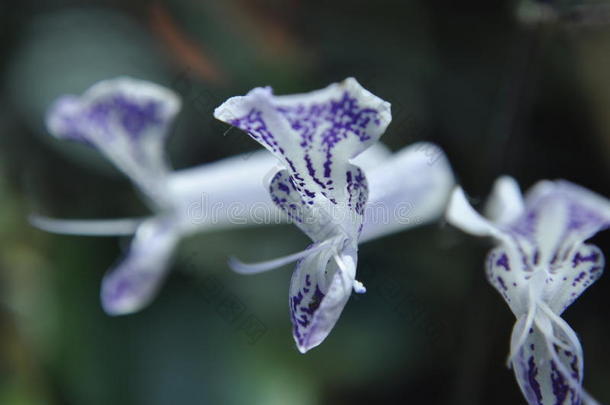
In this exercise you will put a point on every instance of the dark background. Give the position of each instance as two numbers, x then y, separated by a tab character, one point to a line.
519	88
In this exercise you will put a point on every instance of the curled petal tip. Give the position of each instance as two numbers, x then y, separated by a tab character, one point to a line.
359	288
132	284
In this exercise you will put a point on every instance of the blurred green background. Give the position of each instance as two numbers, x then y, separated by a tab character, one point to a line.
504	87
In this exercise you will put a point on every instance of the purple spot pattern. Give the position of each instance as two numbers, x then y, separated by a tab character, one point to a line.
498	268
570	267
303	306
340	119
535	370
357	190
319	129
584	268
503	262
286	196
580	223
134	117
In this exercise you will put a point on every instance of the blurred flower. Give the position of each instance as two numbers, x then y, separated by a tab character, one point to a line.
314	136
127	120
540	267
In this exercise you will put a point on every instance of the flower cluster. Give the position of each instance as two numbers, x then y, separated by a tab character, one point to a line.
332	178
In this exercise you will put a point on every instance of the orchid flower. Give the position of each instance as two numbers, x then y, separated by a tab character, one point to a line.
540	266
127	120
314	136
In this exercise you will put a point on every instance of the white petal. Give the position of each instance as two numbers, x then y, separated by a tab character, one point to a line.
505	203
376	155
134	282
462	215
410	188
228	193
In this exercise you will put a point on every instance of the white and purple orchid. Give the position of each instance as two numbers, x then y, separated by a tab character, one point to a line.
315	136
127	120
540	266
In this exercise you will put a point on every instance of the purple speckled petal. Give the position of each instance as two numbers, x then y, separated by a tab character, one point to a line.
540	268
133	283
505	271
582	268
127	121
312	220
319	290
558	217
315	135
548	366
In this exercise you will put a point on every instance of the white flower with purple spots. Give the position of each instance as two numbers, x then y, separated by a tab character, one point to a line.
127	120
314	136
540	266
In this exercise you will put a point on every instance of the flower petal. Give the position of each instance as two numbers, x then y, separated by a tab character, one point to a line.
373	157
559	216
320	287
134	282
462	215
548	366
127	121
314	135
505	203
227	193
407	190
507	272
316	223
584	267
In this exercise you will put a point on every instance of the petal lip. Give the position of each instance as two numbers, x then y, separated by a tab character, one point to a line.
319	290
233	108
61	119
64	118
134	282
127	120
139	89
351	85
